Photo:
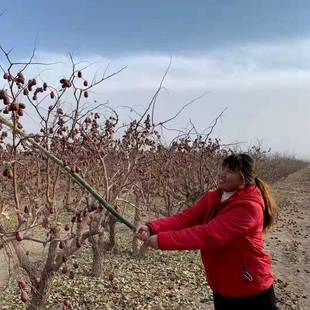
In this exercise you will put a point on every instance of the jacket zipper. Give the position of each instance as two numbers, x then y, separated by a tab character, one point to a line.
246	275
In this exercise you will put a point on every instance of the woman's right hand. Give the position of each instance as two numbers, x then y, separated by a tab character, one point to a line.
143	232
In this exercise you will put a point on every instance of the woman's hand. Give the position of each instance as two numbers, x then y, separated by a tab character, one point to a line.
153	242
143	232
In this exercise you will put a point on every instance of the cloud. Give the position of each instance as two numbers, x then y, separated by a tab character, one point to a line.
247	66
264	85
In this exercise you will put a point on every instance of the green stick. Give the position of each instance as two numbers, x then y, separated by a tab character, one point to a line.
73	175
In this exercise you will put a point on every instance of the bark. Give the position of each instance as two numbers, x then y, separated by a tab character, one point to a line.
41	284
137	219
41	287
98	256
38	177
168	204
40	292
111	243
142	250
67	196
97	267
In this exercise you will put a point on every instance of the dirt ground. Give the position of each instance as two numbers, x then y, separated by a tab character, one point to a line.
289	243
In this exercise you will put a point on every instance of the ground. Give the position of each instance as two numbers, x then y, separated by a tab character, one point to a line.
289	243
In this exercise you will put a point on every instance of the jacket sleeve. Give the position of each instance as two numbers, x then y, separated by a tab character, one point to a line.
239	220
189	217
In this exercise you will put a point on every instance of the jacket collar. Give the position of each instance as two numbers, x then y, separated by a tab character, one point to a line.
244	191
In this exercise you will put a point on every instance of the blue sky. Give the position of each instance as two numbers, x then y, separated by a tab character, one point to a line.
252	57
131	26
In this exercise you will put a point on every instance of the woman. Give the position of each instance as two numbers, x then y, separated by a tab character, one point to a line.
227	226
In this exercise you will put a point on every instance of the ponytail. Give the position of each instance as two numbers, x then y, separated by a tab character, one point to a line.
271	209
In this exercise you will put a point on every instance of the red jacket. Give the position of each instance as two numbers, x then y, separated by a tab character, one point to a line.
231	243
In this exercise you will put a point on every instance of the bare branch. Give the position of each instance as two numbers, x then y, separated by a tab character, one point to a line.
180	111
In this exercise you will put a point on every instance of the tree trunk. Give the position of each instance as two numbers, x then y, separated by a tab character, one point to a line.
111	243
40	280
38	177
97	267
142	250
137	219
168	205
41	292
98	256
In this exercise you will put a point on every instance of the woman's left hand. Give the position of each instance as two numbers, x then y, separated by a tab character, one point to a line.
153	242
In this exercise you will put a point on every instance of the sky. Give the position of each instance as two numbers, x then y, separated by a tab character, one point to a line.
249	58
